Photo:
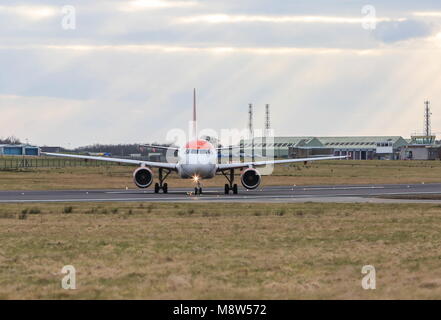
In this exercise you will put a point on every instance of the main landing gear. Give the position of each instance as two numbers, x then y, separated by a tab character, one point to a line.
161	185
230	185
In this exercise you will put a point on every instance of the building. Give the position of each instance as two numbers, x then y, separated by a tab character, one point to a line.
366	147
19	150
356	147
421	148
51	149
281	145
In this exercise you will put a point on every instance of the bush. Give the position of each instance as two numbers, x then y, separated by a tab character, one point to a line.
23	215
68	209
34	211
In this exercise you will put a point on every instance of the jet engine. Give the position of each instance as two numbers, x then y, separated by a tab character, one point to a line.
143	177
250	178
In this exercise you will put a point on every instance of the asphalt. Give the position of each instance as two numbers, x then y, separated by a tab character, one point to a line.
322	193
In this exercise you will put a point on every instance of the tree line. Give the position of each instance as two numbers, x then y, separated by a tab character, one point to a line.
10	140
120	149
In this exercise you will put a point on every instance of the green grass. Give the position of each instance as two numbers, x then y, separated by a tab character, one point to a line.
211	251
319	172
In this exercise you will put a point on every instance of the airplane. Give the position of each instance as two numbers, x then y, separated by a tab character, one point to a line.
197	160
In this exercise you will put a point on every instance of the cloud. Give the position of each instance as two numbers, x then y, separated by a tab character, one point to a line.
427	14
136	5
224	18
395	31
197	49
31	12
127	76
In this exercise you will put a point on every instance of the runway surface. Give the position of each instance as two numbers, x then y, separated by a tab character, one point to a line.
322	193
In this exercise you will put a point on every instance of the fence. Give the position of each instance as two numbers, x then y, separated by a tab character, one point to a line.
11	163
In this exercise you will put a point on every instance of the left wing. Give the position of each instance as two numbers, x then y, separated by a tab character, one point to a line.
158	147
238	165
165	165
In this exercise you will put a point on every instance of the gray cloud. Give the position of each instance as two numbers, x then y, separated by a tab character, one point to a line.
60	95
395	31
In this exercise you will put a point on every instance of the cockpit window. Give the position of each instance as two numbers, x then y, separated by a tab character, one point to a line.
198	151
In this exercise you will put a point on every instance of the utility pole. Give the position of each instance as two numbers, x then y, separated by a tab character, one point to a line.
267	120
427	114
250	128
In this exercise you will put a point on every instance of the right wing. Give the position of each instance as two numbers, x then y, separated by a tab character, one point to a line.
238	165
228	148
165	165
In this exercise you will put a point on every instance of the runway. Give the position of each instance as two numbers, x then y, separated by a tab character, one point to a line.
322	193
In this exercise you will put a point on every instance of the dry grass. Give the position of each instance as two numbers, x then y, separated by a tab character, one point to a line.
321	172
133	250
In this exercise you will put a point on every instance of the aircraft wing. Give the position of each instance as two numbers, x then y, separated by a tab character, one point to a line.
226	166
227	148
164	165
159	147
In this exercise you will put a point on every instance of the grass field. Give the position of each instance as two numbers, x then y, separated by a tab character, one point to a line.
320	172
286	251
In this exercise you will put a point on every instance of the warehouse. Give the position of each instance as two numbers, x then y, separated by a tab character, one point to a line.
366	147
281	145
19	150
356	147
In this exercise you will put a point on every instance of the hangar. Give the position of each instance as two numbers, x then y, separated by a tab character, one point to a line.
366	147
19	150
356	147
282	145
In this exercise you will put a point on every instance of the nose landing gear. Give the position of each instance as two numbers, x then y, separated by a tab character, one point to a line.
198	188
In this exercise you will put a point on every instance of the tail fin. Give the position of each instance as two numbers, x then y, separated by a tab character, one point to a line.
194	105
194	124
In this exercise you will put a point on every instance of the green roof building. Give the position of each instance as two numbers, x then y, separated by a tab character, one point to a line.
356	147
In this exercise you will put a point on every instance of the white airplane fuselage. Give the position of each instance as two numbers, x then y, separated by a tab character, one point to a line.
197	160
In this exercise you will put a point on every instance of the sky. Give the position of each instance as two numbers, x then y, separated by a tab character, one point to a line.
83	72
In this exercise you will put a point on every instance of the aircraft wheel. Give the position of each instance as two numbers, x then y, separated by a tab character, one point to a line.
235	188
200	190
165	188
195	190
156	187
227	189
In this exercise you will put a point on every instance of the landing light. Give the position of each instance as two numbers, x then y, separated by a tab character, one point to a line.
195	178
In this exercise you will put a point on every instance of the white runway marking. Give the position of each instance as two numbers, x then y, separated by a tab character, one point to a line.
340	188
217	199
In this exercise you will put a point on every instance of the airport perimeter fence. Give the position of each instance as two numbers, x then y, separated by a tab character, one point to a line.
14	163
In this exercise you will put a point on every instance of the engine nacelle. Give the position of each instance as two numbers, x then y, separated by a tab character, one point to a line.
143	177
250	178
